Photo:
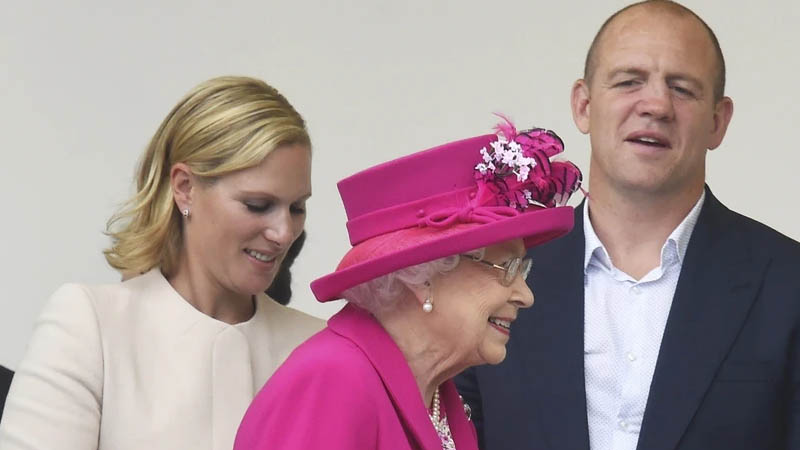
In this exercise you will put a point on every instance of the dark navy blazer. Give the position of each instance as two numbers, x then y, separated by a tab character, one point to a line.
728	372
5	382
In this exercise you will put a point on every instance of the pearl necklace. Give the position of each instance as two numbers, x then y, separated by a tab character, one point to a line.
440	424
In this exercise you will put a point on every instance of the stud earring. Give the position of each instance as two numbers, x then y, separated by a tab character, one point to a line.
185	212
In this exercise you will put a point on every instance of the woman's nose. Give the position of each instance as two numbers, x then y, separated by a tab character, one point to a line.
523	296
280	230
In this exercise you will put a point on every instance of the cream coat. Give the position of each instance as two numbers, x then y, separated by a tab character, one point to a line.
134	366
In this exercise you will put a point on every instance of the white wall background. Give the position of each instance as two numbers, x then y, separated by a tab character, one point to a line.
85	84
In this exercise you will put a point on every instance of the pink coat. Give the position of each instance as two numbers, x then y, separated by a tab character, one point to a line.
349	388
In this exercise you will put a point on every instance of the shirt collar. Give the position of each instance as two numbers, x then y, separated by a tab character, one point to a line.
681	235
593	245
679	238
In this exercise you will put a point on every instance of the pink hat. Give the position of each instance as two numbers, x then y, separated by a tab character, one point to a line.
452	199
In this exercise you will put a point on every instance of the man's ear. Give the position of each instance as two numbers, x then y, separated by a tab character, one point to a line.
723	111
182	182
579	100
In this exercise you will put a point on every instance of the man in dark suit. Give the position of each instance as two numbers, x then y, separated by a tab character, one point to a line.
5	383
663	321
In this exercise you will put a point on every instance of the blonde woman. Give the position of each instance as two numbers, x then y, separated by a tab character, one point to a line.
171	357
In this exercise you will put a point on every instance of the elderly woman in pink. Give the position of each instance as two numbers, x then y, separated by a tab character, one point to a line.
434	281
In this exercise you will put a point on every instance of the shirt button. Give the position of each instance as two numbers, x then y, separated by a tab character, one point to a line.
623	424
636	290
631	357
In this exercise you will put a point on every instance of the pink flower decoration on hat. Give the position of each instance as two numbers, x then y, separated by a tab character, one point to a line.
517	170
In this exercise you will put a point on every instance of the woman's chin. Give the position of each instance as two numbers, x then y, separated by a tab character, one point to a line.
495	356
257	282
253	286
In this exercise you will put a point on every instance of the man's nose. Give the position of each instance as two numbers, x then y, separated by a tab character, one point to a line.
656	102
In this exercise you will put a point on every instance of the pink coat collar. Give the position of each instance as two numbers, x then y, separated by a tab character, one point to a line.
360	327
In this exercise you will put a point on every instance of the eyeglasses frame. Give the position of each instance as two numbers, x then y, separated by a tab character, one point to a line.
512	268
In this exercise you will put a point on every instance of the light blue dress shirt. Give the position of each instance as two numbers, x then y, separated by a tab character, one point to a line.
624	322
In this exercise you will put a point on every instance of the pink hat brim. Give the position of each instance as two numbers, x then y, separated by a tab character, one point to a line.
535	227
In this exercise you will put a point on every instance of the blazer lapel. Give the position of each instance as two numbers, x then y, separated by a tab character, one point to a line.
550	340
718	283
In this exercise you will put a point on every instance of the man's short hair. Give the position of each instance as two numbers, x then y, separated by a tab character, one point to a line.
663	6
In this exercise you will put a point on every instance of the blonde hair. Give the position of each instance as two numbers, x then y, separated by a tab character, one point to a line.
221	126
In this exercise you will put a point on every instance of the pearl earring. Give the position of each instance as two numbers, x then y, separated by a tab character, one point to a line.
185	212
427	306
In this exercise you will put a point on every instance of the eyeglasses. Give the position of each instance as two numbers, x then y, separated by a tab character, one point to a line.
512	268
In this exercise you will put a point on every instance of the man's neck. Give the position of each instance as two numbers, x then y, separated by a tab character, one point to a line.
634	226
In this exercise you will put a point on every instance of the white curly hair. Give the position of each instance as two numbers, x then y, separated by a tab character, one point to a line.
381	294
